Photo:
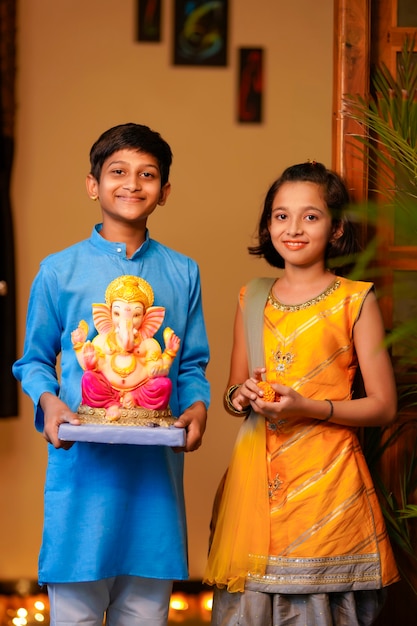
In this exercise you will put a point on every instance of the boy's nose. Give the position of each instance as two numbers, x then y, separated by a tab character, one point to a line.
132	184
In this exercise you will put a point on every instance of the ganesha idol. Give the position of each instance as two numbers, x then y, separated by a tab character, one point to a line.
125	379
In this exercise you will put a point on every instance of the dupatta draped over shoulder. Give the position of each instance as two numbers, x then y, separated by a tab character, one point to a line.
299	513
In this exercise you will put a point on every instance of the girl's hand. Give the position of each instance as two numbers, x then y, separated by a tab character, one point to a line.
287	404
249	390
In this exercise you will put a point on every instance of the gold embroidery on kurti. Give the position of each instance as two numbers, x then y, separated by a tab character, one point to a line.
276	426
282	360
305	305
273	486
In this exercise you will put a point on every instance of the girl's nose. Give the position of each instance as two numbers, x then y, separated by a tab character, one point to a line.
294	227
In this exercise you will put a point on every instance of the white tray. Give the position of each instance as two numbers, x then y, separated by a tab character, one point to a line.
136	435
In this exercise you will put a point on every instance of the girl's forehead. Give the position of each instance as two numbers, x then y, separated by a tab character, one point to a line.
291	186
300	191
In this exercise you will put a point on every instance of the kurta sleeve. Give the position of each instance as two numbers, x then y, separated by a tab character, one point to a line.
192	382
36	369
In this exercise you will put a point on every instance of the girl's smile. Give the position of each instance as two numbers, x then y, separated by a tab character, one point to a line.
295	245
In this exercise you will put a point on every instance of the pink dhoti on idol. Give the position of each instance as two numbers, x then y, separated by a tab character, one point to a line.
152	393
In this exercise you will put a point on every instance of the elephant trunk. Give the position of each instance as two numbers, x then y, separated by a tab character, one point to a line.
126	336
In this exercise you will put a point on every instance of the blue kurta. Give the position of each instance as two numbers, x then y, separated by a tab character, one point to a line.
111	509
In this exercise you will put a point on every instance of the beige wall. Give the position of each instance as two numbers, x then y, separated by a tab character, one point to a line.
80	71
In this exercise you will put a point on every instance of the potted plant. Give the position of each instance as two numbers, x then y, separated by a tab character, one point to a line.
389	143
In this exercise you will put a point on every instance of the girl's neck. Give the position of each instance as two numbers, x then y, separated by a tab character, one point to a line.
298	285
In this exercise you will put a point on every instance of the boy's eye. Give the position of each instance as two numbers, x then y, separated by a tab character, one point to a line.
147	174
118	171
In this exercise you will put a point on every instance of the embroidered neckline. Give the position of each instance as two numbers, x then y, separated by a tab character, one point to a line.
273	301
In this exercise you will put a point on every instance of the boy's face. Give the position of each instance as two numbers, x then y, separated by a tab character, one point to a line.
129	188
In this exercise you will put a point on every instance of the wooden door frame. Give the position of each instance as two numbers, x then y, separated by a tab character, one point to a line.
351	73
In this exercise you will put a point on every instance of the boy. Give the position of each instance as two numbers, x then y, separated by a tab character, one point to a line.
114	532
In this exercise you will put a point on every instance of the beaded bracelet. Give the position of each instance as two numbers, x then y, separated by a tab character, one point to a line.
326	419
229	405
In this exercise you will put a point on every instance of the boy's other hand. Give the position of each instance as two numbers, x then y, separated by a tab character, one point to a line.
56	413
194	421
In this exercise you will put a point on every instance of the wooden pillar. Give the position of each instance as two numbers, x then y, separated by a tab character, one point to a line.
351	77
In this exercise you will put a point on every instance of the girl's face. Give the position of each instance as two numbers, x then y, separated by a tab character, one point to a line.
301	225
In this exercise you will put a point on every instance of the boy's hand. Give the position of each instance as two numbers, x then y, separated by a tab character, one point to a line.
194	421
56	413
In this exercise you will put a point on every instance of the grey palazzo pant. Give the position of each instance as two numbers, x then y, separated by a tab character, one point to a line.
254	608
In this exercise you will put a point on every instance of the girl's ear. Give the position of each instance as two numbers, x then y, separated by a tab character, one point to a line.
337	232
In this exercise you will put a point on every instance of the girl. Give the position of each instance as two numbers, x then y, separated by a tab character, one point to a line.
298	534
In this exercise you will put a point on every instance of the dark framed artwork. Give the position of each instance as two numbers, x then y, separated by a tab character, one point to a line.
148	20
200	32
250	85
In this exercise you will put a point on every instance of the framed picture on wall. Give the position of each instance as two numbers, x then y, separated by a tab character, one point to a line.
250	85
200	32
148	20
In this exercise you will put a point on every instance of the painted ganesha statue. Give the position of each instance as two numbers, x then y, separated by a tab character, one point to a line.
125	379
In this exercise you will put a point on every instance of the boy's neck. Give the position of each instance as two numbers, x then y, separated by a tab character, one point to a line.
132	237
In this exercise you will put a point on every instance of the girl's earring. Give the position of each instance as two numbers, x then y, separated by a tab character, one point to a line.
94	198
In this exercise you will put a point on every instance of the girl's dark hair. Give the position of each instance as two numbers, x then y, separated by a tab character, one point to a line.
337	199
132	137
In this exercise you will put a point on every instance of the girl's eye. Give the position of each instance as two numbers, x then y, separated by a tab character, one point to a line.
311	218
280	216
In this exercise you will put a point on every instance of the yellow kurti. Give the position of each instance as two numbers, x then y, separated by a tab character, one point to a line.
325	530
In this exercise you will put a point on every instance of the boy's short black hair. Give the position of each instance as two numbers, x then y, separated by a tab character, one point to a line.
131	137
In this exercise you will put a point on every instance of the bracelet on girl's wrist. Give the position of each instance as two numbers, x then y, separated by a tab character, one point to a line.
229	404
330	415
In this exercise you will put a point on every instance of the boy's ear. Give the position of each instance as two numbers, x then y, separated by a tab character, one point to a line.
92	186
165	191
